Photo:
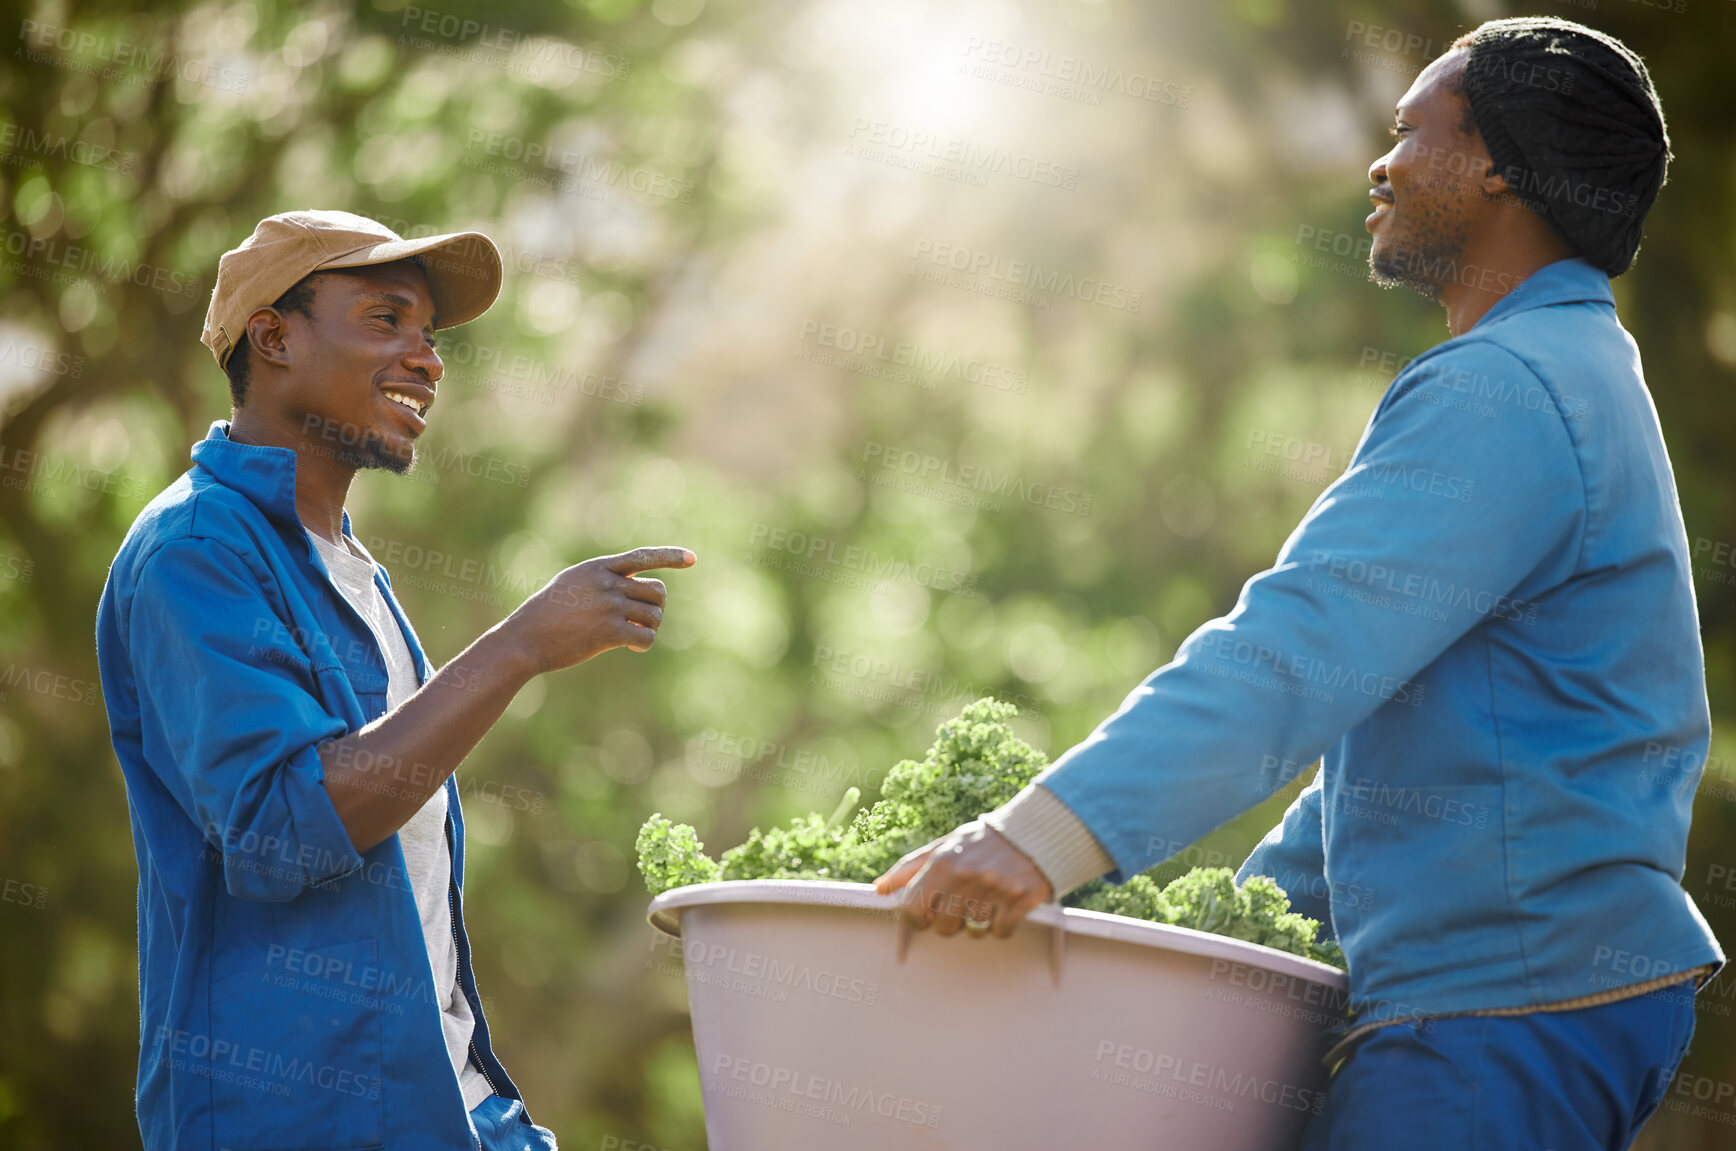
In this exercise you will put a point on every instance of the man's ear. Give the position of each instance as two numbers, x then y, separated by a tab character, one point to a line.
267	333
1494	184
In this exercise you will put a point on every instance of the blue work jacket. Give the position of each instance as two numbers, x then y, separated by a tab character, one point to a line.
286	997
1485	630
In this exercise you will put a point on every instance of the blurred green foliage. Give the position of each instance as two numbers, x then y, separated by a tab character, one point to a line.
704	208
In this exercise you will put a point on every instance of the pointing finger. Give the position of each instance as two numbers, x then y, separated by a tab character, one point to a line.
644	559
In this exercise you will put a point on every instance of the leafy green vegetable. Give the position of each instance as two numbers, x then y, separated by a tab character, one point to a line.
1207	899
670	855
975	765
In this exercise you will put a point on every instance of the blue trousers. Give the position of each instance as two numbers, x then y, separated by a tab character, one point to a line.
501	1125
1568	1080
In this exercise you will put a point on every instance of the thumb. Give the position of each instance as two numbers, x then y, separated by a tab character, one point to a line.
903	871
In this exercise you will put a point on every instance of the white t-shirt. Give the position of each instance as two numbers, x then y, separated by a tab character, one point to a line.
427	858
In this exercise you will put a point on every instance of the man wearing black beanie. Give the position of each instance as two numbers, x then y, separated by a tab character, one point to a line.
1543	140
1484	630
1527	158
1587	153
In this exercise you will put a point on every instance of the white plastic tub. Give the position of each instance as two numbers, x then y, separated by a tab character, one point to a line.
1083	1030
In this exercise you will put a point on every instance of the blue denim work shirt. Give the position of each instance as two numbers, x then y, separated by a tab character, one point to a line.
286	997
1485	629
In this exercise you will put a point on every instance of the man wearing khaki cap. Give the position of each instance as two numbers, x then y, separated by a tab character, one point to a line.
304	973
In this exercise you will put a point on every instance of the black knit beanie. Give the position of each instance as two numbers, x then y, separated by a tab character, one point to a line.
1573	125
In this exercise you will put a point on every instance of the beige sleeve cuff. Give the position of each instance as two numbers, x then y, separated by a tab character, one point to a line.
1039	824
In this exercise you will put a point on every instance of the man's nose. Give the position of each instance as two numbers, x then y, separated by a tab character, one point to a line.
426	362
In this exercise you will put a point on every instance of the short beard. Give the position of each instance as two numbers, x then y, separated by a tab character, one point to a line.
1425	267
372	453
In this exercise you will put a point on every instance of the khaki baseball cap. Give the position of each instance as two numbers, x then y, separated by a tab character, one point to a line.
463	268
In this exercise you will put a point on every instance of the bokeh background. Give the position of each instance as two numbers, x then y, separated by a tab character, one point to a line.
977	348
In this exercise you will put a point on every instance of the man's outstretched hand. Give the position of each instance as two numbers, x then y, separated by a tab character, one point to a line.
971	874
583	611
600	604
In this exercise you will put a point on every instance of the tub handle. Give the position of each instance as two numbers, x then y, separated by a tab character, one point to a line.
1057	942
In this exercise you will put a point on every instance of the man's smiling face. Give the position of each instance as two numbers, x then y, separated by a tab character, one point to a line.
1428	193
364	369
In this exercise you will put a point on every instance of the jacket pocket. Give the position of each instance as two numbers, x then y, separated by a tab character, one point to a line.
300	1052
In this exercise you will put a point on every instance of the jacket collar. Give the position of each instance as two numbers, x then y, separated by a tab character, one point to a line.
1570	281
266	476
